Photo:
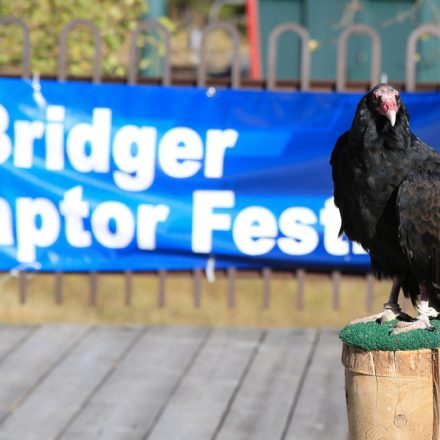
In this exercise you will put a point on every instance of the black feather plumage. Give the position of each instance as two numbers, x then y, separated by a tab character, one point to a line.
387	188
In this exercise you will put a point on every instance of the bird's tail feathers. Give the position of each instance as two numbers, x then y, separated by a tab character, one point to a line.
435	278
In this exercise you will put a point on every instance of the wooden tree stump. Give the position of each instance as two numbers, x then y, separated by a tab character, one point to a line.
392	394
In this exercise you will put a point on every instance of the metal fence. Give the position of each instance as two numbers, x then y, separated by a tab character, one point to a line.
296	279
202	78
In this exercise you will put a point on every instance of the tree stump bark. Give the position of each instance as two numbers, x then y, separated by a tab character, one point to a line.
392	395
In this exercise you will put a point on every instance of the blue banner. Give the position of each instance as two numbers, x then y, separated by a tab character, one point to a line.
116	177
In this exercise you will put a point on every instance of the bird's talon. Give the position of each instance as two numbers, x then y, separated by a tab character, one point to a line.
421	323
386	316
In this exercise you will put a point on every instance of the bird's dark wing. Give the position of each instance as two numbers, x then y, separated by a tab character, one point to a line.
336	163
334	159
418	208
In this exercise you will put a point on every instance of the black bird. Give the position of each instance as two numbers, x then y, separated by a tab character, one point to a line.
387	188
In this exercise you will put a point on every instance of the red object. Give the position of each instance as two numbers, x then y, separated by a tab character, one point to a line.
253	28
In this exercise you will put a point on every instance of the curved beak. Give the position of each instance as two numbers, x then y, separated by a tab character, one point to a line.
387	98
391	116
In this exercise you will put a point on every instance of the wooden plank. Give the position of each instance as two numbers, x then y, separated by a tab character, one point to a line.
262	405
21	371
134	396
196	409
11	336
320	410
63	391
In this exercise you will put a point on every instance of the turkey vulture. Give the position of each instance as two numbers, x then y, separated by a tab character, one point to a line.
387	188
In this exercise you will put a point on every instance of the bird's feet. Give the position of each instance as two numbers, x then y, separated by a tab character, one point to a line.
423	308
391	311
421	323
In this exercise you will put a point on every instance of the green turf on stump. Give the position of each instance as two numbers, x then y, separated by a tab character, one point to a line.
374	336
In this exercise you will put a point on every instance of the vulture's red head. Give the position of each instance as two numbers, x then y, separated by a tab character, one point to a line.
385	101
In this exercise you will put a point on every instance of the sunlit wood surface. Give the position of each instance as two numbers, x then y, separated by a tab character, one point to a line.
60	381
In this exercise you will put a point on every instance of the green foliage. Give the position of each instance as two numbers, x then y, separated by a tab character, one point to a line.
46	19
201	6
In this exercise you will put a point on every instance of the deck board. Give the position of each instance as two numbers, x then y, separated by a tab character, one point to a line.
79	382
135	394
262	406
197	407
12	336
320	412
22	370
64	390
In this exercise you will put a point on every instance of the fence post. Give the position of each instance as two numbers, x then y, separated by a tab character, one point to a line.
93	278
300	278
370	291
197	286
336	284
267	275
128	284
161	288
58	287
231	272
22	280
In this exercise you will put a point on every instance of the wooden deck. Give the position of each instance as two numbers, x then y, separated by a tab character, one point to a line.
77	382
